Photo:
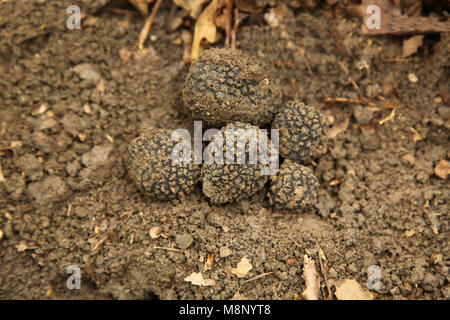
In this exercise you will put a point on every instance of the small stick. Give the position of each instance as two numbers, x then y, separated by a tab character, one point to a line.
323	271
148	25
235	26
168	249
2	177
258	276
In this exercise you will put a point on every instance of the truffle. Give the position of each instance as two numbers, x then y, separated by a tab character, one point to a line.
225	85
293	188
303	132
151	167
236	179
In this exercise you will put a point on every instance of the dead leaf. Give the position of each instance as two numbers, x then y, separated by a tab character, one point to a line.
251	6
196	278
208	263
142	6
416	136
337	129
310	276
243	267
350	289
442	169
155	232
411	45
205	28
224	252
194	7
22	246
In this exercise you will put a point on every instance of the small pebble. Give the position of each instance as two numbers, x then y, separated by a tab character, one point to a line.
412	78
184	241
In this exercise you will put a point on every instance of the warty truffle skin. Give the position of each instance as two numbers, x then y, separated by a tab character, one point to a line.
150	166
293	188
232	182
303	132
225	85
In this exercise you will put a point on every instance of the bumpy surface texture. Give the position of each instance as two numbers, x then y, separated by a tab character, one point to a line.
225	85
228	182
150	166
303	132
294	187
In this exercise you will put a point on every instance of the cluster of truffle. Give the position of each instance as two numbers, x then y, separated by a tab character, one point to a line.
228	89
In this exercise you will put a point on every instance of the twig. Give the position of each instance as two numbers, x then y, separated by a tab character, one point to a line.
323	271
148	25
2	177
258	276
168	249
235	26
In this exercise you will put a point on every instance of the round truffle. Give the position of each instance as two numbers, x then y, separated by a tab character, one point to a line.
225	86
303	132
293	188
230	176
151	167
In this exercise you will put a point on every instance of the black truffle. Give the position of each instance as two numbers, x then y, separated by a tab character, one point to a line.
151	167
227	182
293	188
303	132
225	85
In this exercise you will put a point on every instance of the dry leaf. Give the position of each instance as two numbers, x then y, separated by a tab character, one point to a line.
23	246
208	263
337	129
224	252
243	267
155	232
251	6
416	136
349	289
205	28
411	45
442	169
141	5
310	276
196	278
194	7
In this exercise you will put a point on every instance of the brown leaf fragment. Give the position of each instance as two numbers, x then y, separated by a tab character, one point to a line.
350	289
205	28
242	268
337	129
442	169
208	263
310	276
416	135
411	45
196	278
194	7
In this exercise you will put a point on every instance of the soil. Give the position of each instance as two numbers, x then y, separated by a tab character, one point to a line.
70	105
